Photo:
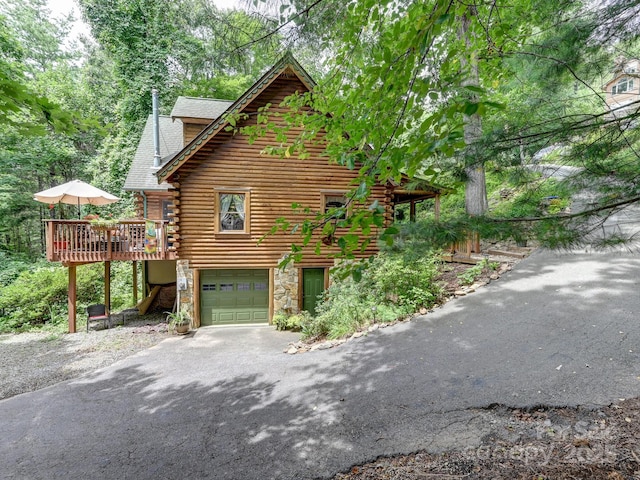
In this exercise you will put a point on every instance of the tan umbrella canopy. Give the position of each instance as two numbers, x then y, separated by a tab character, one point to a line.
75	192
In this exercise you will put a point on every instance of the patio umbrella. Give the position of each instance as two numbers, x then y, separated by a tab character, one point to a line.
75	192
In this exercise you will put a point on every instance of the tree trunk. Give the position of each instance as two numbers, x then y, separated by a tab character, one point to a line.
475	189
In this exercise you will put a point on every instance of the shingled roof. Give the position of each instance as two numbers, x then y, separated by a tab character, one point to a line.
196	107
287	63
141	174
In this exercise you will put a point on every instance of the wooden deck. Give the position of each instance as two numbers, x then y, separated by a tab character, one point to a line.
77	241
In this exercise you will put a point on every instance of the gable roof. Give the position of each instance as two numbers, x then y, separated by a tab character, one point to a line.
198	107
627	68
285	63
141	172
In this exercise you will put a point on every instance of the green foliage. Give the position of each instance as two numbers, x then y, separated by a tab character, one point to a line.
178	319
406	281
293	322
392	286
537	198
20	309
21	106
11	267
35	296
401	86
122	285
471	274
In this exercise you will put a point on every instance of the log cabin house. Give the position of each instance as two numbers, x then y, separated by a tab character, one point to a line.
213	196
623	89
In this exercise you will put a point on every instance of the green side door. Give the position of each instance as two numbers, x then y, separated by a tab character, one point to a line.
312	288
234	296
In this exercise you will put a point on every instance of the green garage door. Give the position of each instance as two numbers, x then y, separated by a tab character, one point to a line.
234	296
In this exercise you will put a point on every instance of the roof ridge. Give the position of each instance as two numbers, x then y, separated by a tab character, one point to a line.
288	60
206	98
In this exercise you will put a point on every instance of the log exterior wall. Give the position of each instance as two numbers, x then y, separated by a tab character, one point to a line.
191	130
154	204
274	183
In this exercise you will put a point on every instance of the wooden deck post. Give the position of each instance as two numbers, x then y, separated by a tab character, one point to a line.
107	286
135	282
437	208
71	299
412	211
50	239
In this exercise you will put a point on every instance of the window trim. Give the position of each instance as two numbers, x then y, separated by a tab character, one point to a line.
628	83
324	194
247	210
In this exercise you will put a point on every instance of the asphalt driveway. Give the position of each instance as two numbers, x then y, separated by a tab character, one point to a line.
559	330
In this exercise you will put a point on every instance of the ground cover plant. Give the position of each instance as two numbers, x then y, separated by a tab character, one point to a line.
35	296
468	276
392	286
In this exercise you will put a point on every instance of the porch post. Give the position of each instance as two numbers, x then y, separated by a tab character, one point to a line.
437	208
71	299
412	211
107	286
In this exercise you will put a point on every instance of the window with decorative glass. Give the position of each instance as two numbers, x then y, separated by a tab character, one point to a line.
232	212
624	85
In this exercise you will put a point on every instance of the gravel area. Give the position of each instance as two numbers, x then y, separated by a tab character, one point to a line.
30	361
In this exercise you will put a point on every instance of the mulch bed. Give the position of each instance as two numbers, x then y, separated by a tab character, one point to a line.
542	444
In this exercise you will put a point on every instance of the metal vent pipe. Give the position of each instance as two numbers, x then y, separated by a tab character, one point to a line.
156	128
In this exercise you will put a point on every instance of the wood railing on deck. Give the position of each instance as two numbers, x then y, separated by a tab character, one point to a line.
77	241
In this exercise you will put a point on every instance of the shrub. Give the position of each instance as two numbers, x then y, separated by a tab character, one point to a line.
40	295
121	285
346	307
546	196
11	266
293	322
393	286
406	281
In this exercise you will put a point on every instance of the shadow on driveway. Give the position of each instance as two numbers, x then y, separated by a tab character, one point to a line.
559	330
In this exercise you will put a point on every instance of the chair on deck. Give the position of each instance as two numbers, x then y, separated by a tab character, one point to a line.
98	312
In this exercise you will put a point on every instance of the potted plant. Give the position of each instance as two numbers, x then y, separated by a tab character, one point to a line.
179	322
104	223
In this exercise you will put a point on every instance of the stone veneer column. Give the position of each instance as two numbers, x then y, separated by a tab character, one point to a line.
185	297
285	289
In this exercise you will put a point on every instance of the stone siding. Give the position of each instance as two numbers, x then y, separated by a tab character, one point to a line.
285	289
185	297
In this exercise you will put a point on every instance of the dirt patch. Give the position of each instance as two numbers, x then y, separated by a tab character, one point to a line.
537	444
30	361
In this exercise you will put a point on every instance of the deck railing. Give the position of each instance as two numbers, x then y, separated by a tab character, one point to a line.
77	241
